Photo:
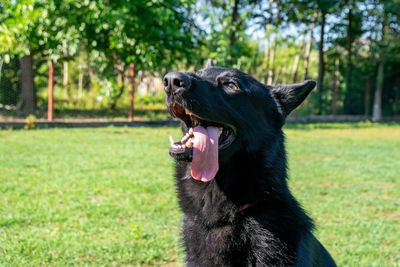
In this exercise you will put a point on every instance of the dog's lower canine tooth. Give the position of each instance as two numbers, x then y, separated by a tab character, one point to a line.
171	140
189	143
188	112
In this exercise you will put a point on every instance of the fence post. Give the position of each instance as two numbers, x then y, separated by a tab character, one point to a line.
50	98
132	90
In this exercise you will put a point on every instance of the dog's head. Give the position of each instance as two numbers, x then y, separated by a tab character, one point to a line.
225	111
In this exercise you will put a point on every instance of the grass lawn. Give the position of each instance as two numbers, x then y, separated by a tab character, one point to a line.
106	196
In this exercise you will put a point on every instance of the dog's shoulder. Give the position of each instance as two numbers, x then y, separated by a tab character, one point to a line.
310	252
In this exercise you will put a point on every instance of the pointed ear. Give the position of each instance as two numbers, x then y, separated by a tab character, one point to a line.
209	63
289	96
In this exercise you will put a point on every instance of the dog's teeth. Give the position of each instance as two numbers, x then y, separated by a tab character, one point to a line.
191	131
188	112
171	140
184	138
189	143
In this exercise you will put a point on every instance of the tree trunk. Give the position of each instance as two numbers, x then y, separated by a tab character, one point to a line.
267	46
91	78
297	59
50	109
27	84
367	96
308	48
284	79
276	76
377	109
335	86
271	60
234	22
396	98
120	78
132	90
321	67
65	72
266	52
65	78
120	70
117	97
377	112
349	50
80	84
1	67
232	39
273	46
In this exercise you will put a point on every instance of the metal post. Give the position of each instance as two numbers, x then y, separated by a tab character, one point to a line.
132	90
50	98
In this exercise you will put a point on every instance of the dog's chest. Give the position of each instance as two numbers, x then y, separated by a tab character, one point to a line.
214	246
244	244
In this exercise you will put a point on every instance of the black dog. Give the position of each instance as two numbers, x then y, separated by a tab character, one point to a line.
231	171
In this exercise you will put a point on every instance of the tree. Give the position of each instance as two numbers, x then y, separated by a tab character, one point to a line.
228	43
308	47
384	48
16	20
297	59
148	34
39	27
274	42
335	86
377	108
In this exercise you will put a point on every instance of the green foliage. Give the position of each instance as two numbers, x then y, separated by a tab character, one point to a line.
30	122
106	196
36	26
152	100
99	39
147	33
228	44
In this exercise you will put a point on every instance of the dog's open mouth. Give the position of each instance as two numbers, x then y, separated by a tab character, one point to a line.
201	143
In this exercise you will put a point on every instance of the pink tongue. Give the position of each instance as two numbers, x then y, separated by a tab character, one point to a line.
205	153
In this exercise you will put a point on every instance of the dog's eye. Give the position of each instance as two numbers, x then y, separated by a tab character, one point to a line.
232	85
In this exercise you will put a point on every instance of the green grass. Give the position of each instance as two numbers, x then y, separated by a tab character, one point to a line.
106	196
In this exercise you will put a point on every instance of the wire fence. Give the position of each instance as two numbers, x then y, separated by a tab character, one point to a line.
80	91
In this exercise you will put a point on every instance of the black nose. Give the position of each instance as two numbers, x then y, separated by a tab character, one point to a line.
176	82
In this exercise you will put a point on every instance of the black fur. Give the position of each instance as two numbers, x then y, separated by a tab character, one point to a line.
274	230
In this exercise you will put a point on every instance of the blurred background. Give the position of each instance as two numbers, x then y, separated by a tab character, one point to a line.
99	55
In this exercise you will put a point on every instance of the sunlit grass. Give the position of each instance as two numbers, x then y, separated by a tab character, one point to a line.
106	196
348	181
